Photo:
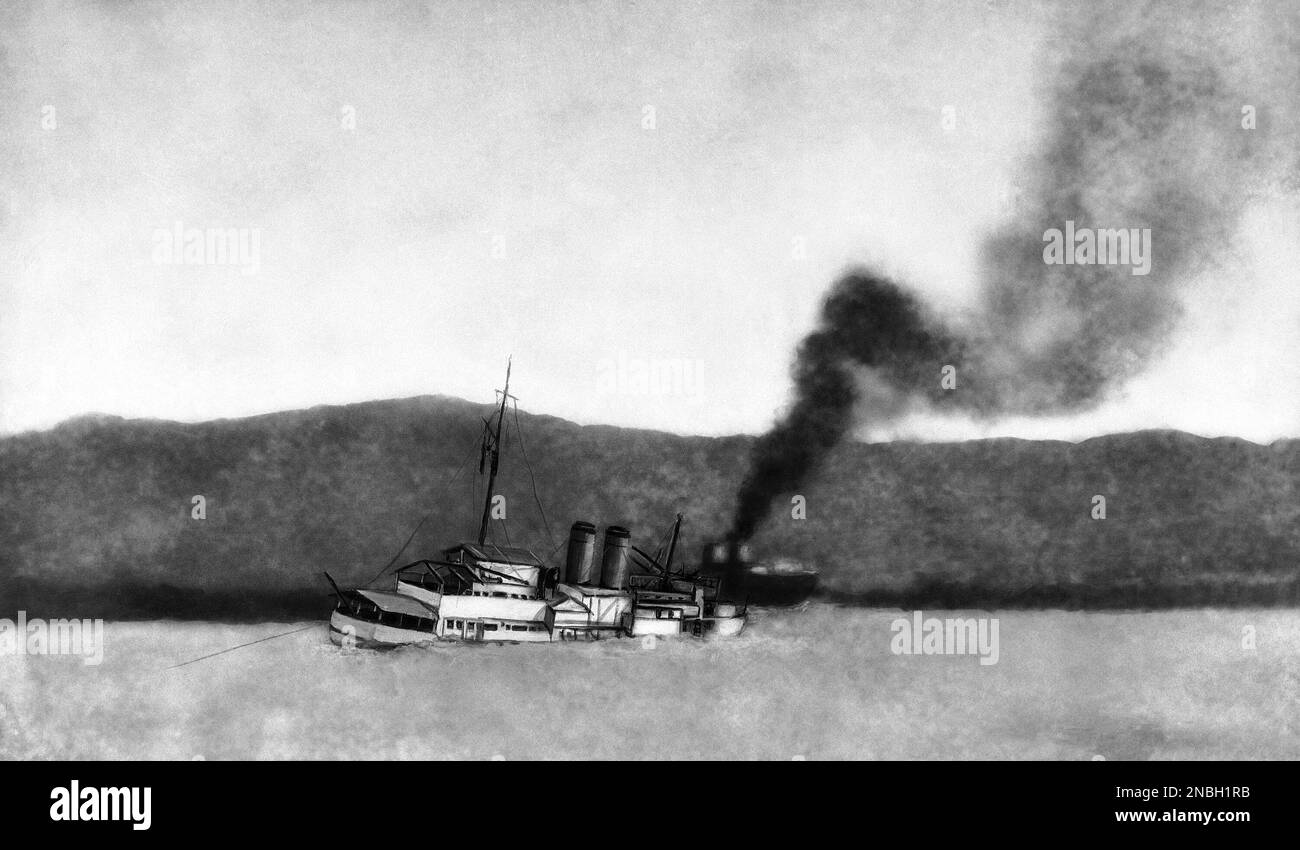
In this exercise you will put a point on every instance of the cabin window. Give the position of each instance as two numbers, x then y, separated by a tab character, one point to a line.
489	627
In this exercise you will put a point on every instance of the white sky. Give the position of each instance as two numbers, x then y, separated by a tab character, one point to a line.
499	194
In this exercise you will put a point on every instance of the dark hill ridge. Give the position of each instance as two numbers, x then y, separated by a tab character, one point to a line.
95	513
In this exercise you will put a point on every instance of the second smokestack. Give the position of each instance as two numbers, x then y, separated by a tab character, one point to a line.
617	562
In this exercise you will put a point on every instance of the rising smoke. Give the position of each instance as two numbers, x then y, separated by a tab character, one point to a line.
1139	135
866	321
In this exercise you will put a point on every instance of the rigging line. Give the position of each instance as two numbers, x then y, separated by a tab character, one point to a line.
475	499
519	435
242	645
506	532
425	519
664	538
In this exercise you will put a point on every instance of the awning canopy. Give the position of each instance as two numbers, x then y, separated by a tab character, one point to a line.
492	553
397	603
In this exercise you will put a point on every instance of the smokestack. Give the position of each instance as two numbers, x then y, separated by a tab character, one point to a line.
580	565
617	559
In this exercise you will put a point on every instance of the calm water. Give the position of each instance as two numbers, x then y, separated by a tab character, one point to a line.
819	683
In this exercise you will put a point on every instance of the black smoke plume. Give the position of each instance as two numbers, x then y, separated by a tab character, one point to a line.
866	321
1141	134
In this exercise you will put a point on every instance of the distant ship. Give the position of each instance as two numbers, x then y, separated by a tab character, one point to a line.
775	583
482	592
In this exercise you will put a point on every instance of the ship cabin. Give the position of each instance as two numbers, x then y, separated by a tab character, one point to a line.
380	618
497	611
502	564
587	612
663	609
429	581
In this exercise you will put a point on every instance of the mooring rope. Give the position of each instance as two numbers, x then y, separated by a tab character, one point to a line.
242	645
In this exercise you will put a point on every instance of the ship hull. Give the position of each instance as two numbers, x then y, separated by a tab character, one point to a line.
349	631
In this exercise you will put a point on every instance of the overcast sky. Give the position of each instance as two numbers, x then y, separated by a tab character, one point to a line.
596	189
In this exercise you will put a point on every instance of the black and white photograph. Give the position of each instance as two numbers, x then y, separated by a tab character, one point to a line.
427	381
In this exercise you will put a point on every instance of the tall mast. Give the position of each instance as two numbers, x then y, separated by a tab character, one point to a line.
672	547
492	445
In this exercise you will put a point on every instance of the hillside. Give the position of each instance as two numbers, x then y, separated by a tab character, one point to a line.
95	515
